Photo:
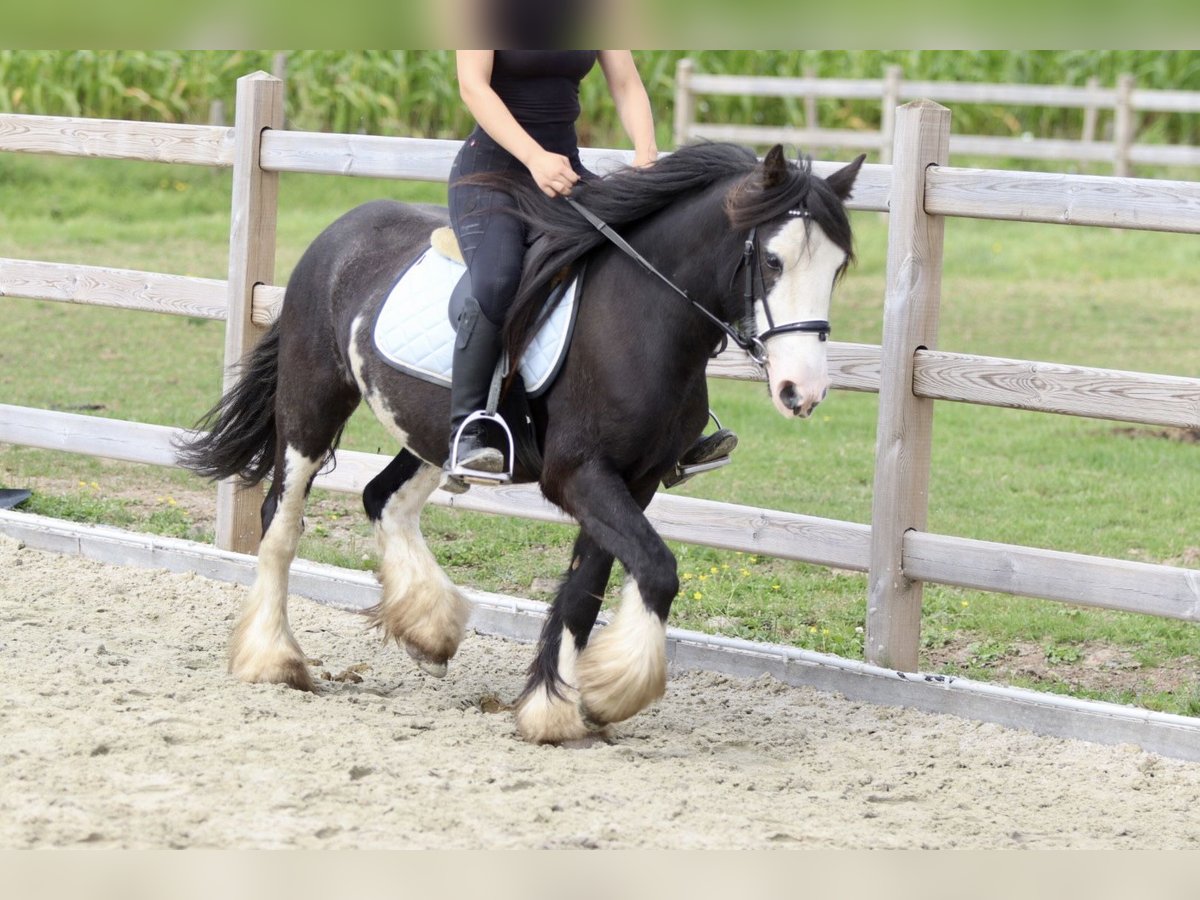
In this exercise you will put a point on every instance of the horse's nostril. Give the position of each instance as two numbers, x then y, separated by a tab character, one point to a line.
789	396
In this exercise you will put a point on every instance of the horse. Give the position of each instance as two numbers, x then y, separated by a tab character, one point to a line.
630	397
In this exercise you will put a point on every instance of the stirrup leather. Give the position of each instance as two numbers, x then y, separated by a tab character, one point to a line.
454	469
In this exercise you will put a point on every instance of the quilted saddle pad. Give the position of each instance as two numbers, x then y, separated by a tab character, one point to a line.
413	333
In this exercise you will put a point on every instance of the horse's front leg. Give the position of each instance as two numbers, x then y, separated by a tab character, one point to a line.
548	711
623	669
419	607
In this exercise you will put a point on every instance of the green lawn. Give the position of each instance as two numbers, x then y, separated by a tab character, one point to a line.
1084	296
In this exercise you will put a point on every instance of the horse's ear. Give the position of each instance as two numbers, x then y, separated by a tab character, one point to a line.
775	167
842	181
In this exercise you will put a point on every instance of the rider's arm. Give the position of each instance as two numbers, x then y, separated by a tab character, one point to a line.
633	104
551	171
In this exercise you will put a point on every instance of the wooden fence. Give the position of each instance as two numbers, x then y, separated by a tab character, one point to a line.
908	371
1125	101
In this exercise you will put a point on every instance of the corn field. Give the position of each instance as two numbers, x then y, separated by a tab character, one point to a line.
413	92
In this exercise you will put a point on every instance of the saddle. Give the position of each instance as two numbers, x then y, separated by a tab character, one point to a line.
414	332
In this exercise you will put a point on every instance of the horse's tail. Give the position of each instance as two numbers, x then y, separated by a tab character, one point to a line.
237	436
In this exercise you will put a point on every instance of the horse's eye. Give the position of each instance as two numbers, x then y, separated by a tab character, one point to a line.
773	262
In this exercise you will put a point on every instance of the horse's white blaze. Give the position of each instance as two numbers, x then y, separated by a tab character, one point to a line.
623	669
263	648
375	400
419	606
546	719
797	363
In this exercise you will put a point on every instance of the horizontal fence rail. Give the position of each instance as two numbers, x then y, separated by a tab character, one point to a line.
726	526
936	374
1125	101
1096	200
195	145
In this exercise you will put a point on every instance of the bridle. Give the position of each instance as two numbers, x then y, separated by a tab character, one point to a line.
749	340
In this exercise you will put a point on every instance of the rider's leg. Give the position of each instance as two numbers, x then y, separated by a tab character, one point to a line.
493	246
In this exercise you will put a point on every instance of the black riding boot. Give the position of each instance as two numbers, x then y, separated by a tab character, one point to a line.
709	452
476	352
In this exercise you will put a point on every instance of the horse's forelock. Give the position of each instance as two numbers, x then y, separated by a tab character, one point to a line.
755	200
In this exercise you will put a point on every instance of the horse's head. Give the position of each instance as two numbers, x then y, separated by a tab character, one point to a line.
801	245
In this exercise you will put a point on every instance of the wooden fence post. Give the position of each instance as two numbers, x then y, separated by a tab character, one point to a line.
810	102
251	261
905	425
1123	127
685	100
891	99
1090	113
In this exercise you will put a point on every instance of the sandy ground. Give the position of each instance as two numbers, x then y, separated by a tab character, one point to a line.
120	728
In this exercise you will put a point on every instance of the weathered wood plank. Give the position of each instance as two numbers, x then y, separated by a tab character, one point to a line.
1136	203
267	302
1071	577
1165	154
725	525
1149	100
772	86
93	435
376	156
197	145
1050	387
728	526
1008	94
852	367
123	288
783	134
1030	148
905	423
254	210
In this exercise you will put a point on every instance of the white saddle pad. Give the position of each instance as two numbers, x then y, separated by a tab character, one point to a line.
413	330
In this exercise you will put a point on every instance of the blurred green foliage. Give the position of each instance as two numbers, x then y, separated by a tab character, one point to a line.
413	92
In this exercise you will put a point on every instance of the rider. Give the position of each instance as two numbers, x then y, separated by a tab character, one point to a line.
525	103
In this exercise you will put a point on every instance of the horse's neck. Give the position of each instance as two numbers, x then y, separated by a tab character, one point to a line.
696	257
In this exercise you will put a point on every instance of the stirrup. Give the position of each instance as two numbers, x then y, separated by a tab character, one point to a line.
684	469
458	472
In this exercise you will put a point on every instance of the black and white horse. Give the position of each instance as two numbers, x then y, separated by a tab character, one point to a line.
757	245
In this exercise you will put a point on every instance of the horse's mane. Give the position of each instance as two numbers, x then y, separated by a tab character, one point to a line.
629	195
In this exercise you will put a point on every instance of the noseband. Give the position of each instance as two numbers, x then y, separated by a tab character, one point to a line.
750	341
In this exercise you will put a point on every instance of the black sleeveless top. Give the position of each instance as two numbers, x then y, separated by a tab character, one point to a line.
541	87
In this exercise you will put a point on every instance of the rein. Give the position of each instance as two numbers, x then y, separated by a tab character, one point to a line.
754	345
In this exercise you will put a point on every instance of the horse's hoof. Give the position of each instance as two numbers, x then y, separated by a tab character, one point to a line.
425	664
292	672
592	722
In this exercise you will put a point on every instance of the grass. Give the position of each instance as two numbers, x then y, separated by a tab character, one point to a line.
1084	296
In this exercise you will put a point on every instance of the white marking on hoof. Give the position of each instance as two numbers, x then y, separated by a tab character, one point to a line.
624	667
543	717
420	608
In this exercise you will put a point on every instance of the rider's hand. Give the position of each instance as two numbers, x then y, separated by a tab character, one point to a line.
553	173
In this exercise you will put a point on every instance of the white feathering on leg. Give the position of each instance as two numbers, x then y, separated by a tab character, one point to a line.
420	607
624	667
544	718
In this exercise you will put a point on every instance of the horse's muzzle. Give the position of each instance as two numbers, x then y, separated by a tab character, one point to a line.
797	402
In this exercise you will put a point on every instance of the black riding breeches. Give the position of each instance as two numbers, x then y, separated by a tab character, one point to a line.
492	238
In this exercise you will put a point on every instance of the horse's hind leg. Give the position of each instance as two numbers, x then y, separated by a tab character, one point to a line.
548	711
419	607
263	648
